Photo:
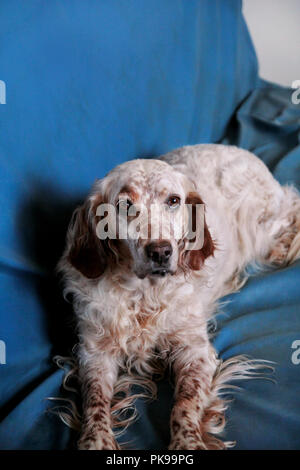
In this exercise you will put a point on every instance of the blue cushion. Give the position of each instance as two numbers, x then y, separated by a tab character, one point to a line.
89	85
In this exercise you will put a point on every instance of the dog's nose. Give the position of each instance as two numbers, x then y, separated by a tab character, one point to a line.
159	251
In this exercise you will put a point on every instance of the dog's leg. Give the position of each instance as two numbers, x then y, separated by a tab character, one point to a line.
285	230
198	412
268	222
98	377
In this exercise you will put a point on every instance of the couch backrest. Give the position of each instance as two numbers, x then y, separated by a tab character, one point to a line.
92	83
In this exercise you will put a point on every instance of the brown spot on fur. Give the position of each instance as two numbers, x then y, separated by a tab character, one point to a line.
97	417
175	426
133	195
195	258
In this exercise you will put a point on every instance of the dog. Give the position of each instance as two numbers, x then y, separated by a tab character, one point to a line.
143	303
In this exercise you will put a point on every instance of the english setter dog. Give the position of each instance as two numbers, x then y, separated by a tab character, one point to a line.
142	303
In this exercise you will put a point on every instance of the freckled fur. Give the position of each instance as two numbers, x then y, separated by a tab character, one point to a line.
125	323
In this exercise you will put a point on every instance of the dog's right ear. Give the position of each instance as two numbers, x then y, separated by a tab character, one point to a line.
86	252
195	258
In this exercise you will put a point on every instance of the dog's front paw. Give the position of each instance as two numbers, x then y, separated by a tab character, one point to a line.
196	441
186	444
187	439
98	442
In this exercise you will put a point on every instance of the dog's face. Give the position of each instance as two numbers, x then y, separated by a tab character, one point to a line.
139	216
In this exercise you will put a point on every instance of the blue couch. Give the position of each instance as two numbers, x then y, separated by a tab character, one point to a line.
92	84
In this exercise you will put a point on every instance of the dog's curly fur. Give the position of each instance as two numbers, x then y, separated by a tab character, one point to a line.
132	323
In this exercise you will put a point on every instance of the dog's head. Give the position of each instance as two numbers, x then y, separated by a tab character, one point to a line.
145	216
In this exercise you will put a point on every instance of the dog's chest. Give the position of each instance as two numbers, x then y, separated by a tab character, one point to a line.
139	325
140	321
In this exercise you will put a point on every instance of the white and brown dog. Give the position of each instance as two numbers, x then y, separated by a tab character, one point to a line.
141	301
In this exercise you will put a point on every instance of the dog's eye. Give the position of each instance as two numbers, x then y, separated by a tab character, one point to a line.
123	205
173	201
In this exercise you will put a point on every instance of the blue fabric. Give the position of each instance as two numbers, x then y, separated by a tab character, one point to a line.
89	85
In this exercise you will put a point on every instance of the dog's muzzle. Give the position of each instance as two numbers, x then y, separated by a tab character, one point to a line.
159	253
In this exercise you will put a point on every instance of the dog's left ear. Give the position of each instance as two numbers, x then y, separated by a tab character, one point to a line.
194	259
